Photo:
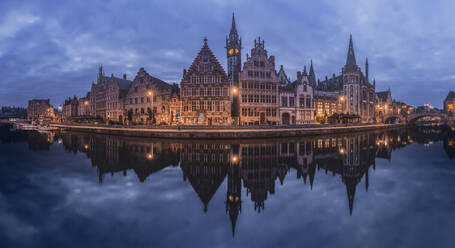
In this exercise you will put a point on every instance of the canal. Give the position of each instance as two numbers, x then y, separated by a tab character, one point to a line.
393	188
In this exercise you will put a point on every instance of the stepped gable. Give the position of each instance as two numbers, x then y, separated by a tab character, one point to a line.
205	54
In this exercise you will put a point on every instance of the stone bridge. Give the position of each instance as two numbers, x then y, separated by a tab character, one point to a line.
390	118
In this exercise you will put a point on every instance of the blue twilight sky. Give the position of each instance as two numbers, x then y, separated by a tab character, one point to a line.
53	49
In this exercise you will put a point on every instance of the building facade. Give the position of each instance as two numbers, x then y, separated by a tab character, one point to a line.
258	91
296	101
358	93
205	91
148	100
84	105
70	108
449	103
39	109
116	91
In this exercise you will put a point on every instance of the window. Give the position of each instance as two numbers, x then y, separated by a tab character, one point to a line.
202	91
148	99
202	105
209	105
209	91
193	80
284	101
244	112
291	101
225	92
135	100
217	91
217	106
274	99
142	100
142	110
273	111
185	91
305	88
194	91
193	106
302	101
308	102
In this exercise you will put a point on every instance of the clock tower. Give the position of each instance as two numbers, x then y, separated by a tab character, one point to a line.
233	52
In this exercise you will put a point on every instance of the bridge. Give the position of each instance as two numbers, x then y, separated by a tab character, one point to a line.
412	118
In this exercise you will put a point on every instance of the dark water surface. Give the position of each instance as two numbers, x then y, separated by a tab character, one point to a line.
375	189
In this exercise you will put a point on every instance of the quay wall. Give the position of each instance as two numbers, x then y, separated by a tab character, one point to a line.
223	132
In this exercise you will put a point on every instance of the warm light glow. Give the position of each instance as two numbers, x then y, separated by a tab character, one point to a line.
235	158
236	50
149	156
342	151
341	98
86	103
236	198
234	90
149	93
231	51
231	198
86	146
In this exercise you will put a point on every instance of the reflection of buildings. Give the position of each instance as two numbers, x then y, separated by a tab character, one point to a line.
205	166
259	164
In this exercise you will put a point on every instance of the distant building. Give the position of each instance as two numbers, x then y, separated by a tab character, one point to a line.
98	95
84	106
359	94
39	109
70	108
116	91
296	100
259	88
148	100
384	105
205	91
449	103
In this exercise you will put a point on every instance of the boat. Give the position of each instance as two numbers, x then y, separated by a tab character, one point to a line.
24	126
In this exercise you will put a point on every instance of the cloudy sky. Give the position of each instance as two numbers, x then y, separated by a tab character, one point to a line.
52	50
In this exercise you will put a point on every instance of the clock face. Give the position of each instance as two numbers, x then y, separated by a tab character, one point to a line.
231	51
236	50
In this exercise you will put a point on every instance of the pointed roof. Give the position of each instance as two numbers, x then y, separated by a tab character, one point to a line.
233	28
450	96
351	65
205	54
312	76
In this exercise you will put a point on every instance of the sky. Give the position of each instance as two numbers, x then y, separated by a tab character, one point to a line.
53	49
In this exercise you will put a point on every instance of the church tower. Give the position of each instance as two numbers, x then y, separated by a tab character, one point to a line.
234	57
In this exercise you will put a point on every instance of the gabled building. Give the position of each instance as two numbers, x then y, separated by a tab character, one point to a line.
70	108
83	106
205	91
259	88
39	109
116	91
296	100
148	100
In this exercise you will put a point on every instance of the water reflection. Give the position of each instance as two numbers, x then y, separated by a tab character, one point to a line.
251	165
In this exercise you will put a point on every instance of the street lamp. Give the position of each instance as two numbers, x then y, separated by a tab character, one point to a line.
234	90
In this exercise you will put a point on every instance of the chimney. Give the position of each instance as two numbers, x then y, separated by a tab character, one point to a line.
124	76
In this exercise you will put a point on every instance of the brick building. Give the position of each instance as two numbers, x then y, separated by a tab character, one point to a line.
258	91
449	103
205	91
39	109
116	91
70	108
149	100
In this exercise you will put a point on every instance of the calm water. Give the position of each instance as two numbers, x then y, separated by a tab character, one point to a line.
376	189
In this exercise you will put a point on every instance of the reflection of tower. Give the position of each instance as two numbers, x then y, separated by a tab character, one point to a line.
234	188
233	49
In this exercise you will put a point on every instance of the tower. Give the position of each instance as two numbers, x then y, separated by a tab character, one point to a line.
233	53
351	81
366	71
234	188
312	76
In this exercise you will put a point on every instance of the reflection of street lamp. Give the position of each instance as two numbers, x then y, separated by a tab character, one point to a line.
149	156
235	158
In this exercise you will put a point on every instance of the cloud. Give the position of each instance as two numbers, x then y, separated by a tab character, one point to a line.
55	52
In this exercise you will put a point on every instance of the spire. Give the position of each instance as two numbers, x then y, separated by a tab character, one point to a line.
304	70
351	65
205	41
233	31
312	76
366	70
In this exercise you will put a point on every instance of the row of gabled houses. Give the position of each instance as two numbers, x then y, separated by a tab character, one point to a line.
252	93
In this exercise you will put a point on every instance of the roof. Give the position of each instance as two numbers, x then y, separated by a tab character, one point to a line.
382	95
450	96
351	65
326	94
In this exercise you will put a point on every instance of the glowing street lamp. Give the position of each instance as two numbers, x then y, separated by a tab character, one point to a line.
234	90
86	103
149	93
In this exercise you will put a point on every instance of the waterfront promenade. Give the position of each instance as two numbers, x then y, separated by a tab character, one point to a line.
222	132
